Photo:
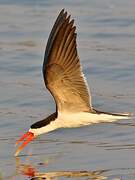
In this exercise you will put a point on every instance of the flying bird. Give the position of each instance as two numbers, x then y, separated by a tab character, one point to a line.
65	80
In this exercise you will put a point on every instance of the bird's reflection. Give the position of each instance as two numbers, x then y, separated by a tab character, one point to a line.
29	170
25	168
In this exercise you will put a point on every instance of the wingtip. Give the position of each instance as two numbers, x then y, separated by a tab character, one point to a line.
63	12
63	9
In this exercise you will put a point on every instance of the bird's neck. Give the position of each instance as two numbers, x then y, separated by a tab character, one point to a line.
45	129
44	126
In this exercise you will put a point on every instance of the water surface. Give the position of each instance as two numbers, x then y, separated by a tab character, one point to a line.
106	46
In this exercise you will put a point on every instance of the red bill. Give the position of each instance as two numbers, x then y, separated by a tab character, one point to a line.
26	138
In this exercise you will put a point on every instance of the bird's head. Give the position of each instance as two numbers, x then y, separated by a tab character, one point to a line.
38	128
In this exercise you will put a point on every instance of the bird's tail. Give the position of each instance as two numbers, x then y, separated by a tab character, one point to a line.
125	114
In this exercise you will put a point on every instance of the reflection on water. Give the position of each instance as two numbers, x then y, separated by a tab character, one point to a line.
25	168
92	175
29	170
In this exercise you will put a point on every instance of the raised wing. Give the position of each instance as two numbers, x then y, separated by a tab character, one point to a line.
62	70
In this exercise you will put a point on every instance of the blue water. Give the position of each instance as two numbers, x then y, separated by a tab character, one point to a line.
106	46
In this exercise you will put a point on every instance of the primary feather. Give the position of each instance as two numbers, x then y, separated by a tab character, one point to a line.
62	70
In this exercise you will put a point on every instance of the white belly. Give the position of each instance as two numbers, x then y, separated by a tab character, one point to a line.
84	118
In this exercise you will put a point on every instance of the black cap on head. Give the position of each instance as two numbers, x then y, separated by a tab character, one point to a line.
44	122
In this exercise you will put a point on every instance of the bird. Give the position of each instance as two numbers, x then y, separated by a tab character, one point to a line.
63	77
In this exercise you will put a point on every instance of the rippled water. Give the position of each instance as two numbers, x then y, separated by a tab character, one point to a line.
106	45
